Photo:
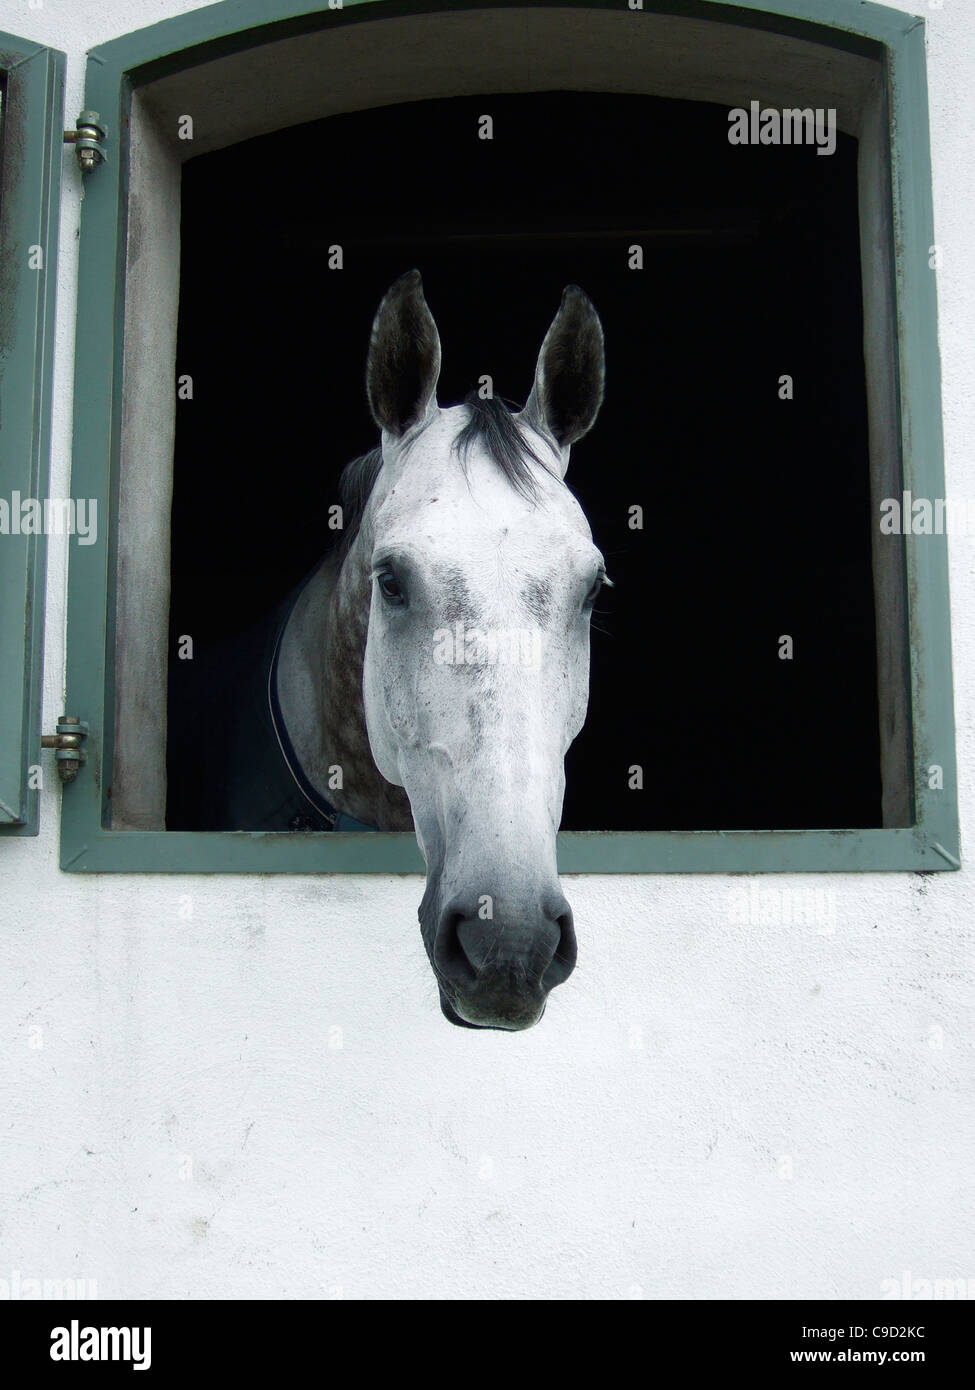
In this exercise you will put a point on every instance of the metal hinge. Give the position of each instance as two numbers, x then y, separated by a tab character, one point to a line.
67	740
88	140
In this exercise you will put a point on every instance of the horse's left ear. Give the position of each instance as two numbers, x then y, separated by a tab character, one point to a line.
404	357
568	389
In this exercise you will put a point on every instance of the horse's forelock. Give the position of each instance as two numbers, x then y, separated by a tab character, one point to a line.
490	423
493	425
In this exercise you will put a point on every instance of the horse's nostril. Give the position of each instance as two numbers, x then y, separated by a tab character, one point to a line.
563	962
451	958
478	941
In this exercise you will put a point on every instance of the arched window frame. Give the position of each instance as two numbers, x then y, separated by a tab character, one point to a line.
126	84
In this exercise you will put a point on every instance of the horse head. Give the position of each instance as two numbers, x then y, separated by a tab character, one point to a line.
433	675
476	666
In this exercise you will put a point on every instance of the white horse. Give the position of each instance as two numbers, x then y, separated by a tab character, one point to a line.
442	660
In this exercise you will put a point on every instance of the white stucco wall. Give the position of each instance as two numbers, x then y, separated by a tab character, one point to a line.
707	1109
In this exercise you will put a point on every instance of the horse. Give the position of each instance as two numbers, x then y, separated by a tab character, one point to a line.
439	660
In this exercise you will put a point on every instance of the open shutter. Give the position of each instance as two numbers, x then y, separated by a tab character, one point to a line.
31	133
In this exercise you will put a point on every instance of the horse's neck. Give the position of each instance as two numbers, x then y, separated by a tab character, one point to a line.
320	693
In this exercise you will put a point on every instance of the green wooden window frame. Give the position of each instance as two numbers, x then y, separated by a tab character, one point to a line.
115	71
31	132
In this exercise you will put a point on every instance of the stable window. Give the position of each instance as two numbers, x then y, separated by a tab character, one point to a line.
771	380
705	481
31	106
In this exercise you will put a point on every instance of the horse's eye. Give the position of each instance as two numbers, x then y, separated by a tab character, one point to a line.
389	587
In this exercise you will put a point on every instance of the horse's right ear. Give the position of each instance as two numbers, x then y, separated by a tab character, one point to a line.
404	357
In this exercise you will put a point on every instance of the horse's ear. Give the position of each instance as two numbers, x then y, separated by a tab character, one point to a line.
568	389
404	357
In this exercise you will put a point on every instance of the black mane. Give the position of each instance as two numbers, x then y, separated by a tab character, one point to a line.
355	488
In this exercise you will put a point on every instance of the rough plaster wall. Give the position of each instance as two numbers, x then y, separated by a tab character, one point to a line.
189	1125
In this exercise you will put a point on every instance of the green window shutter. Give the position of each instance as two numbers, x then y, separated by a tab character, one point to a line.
31	132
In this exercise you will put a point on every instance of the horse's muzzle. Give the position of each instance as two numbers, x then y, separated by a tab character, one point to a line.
497	973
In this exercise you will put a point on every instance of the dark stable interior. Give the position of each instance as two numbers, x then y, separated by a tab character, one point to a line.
756	511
